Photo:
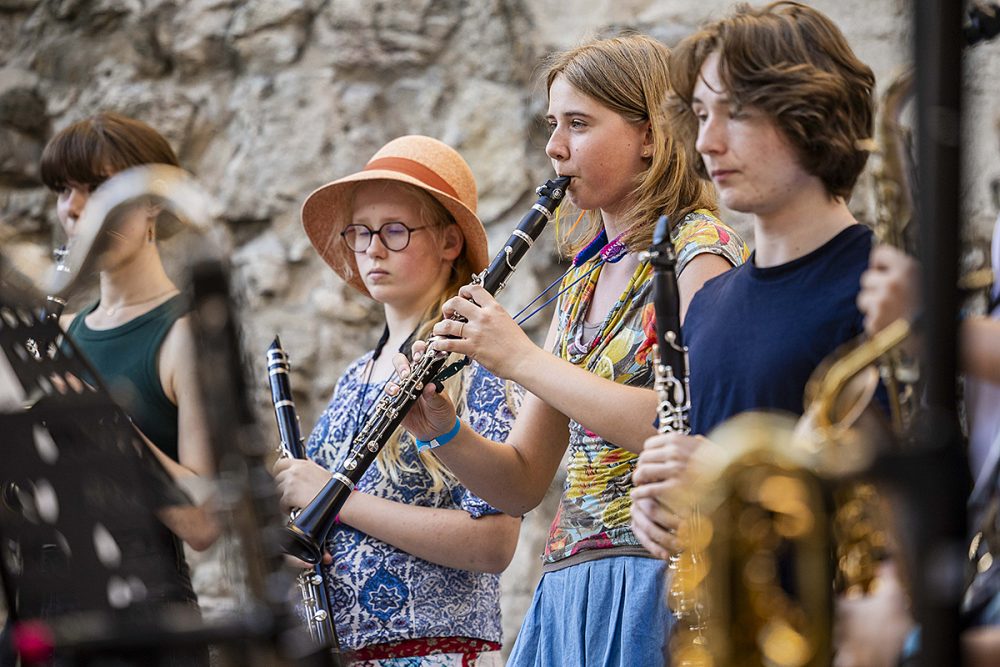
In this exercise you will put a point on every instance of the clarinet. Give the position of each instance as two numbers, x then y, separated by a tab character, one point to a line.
671	380
315	601
54	304
306	532
672	385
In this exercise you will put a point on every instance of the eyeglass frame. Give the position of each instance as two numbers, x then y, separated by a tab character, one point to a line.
378	232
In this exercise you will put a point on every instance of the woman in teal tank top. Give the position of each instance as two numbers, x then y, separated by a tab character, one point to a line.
136	335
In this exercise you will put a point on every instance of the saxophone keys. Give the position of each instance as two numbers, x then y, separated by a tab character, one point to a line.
320	615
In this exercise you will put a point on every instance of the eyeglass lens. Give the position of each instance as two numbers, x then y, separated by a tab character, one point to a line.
394	236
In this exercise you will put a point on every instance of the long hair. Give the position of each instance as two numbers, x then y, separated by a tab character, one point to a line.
628	74
389	460
794	64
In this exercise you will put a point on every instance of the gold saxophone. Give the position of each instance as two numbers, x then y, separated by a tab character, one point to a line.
844	437
773	505
764	537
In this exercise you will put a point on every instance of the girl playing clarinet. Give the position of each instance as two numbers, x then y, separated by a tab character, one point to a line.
600	600
416	555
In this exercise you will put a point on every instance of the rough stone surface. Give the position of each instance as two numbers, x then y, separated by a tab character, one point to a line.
267	100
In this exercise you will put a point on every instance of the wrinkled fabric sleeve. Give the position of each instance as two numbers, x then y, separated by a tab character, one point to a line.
700	233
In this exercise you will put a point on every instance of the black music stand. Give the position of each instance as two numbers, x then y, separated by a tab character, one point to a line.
86	568
81	548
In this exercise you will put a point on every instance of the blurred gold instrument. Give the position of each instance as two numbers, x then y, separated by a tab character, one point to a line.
764	540
893	180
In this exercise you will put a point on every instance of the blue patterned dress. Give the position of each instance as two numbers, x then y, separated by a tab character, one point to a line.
378	592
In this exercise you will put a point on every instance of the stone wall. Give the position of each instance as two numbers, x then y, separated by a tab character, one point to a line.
267	99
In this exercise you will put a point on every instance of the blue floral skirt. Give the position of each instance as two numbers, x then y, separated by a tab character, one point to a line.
603	613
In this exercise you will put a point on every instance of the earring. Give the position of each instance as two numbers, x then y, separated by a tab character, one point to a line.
150	234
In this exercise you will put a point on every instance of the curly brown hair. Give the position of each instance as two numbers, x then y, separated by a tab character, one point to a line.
794	64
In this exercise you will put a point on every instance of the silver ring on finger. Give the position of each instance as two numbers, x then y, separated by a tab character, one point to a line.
461	329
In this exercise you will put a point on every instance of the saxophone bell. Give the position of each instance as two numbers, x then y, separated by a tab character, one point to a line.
764	541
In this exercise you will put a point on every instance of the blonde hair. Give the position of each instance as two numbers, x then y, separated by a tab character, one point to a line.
628	74
436	217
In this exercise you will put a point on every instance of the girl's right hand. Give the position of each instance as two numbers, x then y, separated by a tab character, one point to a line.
658	472
433	414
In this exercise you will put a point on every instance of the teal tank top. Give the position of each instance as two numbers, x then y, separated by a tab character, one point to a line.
126	359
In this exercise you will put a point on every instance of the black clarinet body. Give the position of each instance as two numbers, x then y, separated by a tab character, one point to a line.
307	532
317	612
673	411
289	427
54	304
671	371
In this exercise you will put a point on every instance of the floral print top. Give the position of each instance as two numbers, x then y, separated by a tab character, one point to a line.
595	509
380	593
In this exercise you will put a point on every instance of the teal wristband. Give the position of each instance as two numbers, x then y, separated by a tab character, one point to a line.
441	439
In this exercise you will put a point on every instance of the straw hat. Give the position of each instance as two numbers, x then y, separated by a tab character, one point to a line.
420	161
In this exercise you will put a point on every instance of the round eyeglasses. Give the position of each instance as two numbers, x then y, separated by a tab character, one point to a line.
394	236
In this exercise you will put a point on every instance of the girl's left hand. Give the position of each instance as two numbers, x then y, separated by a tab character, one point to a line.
489	335
299	481
433	414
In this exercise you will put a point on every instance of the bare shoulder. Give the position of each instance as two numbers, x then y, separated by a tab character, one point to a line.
180	338
176	359
703	267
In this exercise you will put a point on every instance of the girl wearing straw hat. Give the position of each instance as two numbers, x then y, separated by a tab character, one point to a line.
601	597
417	556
